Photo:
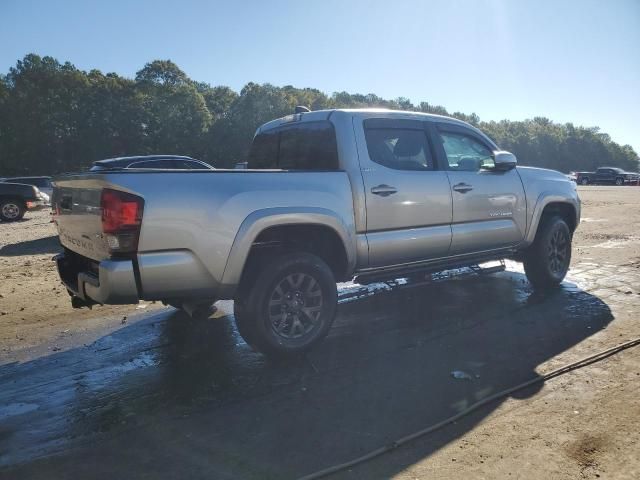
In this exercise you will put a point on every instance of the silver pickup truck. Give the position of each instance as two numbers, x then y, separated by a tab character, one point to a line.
327	196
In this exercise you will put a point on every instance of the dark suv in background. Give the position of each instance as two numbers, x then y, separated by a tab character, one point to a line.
43	183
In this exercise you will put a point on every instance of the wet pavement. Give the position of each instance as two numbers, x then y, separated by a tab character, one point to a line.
167	396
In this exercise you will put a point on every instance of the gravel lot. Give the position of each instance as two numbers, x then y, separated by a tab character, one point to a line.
35	310
106	396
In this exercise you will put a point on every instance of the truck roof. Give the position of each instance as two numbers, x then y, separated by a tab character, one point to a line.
318	115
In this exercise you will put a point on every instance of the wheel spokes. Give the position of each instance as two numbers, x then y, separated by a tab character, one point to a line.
295	305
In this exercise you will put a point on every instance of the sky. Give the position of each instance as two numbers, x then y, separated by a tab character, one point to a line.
568	60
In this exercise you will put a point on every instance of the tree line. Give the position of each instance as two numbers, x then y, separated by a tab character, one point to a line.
56	118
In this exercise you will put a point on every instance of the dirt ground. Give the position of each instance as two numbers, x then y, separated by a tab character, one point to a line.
582	425
586	425
34	306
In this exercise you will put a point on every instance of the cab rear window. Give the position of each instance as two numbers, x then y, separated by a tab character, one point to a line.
300	146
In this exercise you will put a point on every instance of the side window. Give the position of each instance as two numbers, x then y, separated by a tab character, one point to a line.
193	165
400	149
183	165
465	153
302	146
158	164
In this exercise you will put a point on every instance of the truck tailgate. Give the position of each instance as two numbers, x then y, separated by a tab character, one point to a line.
78	216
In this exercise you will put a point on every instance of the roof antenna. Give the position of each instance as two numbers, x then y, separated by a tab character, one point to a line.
301	109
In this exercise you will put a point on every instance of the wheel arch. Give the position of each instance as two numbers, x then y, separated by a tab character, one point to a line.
550	205
279	227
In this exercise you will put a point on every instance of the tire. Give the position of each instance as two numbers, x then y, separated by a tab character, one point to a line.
547	260
584	181
243	323
11	210
290	307
619	182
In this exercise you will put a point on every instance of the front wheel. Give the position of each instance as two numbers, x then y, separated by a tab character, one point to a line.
547	260
11	210
619	182
290	306
584	181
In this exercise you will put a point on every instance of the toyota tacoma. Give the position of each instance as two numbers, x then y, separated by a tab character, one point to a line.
327	196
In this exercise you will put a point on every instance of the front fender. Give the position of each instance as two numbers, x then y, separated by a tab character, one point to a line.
544	199
260	220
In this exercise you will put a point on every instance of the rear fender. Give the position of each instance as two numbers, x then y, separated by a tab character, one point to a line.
260	220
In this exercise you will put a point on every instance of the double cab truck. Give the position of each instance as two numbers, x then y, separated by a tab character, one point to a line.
326	196
607	176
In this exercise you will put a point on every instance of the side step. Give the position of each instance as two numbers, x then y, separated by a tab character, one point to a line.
357	290
421	272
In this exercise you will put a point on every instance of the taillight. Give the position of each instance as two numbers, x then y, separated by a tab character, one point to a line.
121	220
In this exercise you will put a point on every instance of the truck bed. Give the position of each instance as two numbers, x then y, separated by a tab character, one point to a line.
192	219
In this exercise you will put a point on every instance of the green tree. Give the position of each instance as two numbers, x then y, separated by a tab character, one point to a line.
54	118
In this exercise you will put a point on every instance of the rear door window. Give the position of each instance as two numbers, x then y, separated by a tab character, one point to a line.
299	146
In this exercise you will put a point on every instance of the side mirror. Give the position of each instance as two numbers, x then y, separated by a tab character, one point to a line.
504	160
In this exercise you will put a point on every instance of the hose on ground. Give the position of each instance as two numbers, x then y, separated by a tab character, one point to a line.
408	438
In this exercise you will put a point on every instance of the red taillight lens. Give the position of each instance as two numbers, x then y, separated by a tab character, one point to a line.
121	219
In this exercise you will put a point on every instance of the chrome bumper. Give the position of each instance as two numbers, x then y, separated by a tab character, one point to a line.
114	283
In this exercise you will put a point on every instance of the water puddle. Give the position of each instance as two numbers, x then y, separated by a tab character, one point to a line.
617	243
15	409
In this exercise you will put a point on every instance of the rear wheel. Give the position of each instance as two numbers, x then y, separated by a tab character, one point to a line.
290	306
11	210
547	260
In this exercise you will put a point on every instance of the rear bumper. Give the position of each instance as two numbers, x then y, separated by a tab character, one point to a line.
110	281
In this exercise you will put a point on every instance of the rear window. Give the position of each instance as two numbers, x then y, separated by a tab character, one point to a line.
301	146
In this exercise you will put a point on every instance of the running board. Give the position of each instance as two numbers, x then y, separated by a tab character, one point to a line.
418	270
356	290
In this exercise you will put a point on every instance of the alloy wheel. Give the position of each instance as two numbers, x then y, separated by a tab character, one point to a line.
558	250
295	305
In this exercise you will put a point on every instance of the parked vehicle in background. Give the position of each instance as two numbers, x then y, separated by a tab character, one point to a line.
43	183
16	199
607	176
328	196
156	162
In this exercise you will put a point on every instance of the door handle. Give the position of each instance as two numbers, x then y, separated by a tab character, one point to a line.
462	187
383	190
